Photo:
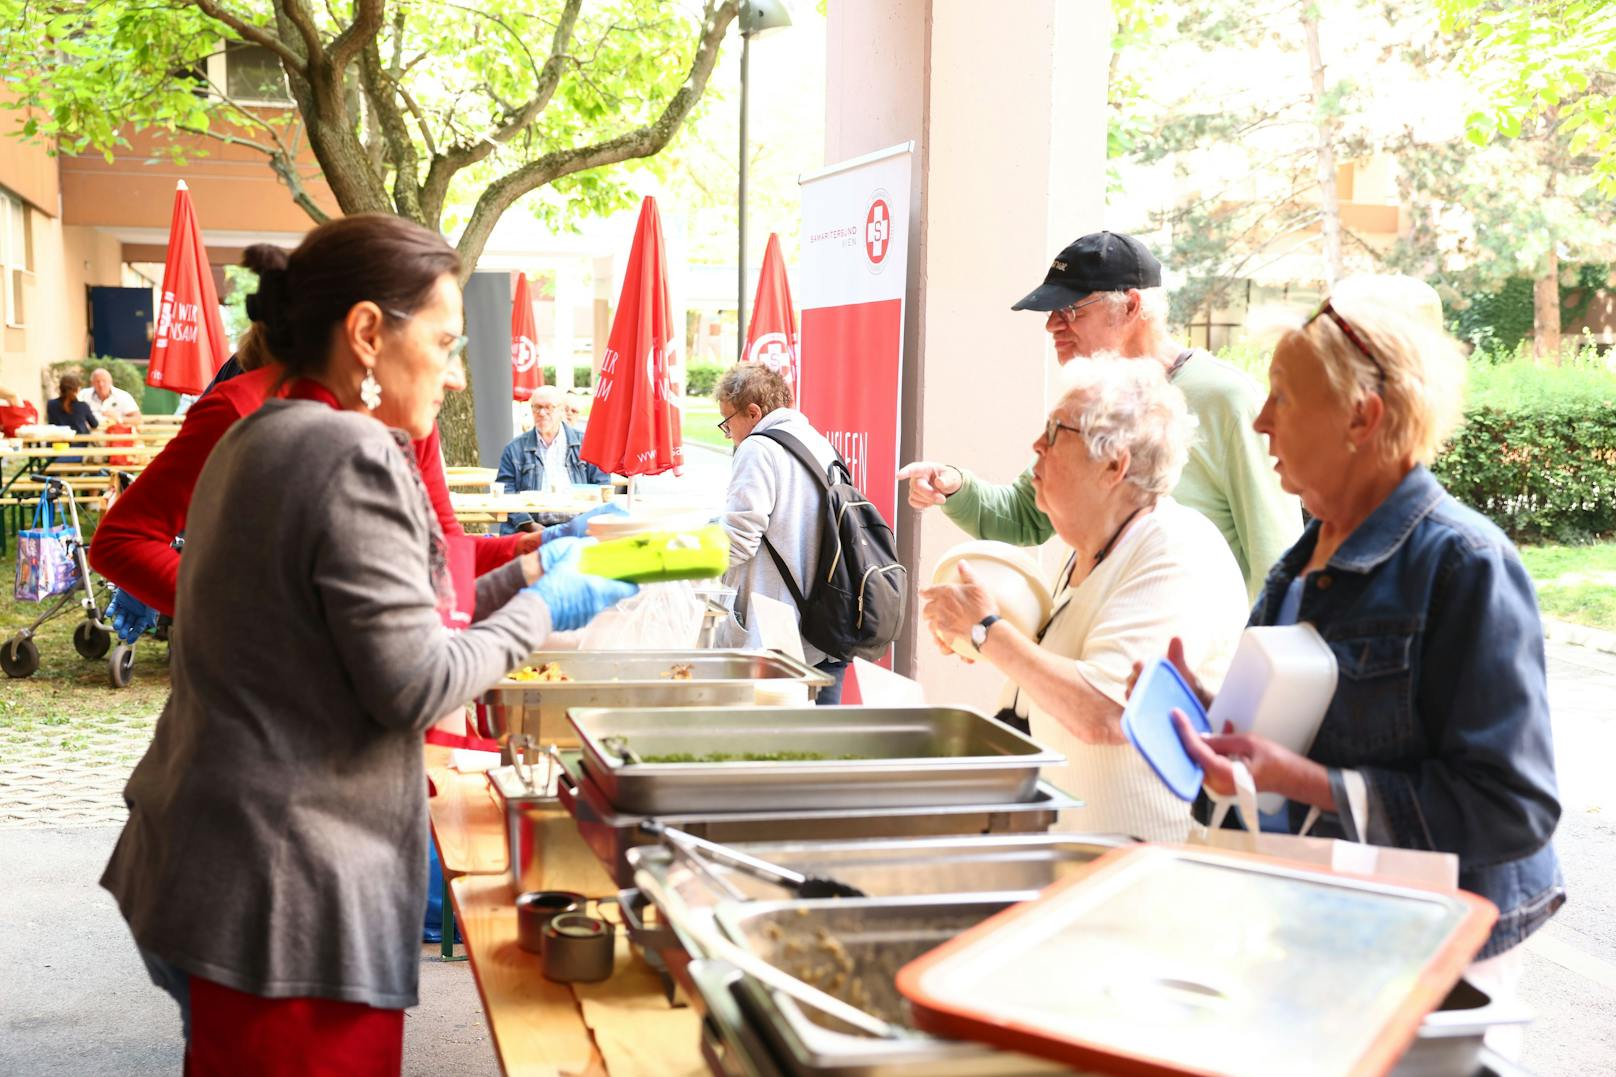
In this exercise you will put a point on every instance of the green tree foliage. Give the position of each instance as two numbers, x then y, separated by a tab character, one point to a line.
444	112
1542	60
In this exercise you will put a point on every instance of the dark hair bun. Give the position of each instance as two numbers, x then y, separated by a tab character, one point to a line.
268	305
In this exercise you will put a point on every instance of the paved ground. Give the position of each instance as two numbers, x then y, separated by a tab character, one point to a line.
75	1000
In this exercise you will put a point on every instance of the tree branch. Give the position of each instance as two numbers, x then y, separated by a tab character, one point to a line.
435	189
359	33
297	13
641	142
256	34
379	88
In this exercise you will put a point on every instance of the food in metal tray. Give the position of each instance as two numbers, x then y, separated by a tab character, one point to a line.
680	671
549	673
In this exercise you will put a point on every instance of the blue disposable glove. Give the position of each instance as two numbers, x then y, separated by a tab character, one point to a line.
578	526
131	617
556	553
574	598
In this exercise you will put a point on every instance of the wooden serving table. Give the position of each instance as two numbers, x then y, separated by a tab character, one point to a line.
622	1027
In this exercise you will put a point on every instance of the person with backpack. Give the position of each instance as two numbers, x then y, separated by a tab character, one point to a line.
801	533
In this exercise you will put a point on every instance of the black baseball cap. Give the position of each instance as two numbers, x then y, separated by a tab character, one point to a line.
1099	262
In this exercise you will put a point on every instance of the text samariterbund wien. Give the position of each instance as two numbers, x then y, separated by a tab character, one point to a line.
849	236
177	322
854	448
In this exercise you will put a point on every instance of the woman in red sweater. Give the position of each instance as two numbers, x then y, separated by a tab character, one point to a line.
134	545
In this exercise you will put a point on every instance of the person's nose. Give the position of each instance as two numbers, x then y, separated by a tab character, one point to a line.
454	375
1054	323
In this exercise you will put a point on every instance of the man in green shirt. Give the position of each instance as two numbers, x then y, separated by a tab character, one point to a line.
1104	294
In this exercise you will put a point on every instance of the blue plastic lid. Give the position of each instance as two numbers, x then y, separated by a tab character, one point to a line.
1148	722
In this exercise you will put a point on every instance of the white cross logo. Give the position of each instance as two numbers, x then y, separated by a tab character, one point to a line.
877	230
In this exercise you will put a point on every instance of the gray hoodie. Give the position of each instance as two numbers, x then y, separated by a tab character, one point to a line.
771	493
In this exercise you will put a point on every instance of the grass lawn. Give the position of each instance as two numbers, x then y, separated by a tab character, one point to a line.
1575	583
68	703
701	422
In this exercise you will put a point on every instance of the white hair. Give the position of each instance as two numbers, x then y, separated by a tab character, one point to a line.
551	393
1153	307
1128	405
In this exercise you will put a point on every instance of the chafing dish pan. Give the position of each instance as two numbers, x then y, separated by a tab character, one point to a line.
867	757
611	833
631	679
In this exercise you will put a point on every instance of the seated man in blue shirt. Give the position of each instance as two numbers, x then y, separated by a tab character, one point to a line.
550	448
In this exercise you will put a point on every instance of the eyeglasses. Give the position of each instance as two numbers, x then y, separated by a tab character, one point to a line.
457	346
1327	311
1052	431
1068	312
724	426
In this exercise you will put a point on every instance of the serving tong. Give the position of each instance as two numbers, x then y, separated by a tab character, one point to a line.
694	851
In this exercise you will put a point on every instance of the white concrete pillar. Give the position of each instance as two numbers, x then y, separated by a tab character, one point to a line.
567	296
1007	106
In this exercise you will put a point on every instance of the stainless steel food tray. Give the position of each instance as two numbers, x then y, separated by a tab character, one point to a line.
874	757
797	1041
611	833
631	679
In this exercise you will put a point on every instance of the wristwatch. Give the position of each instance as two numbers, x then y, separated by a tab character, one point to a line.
979	631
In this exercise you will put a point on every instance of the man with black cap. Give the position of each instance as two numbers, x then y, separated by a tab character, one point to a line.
1104	295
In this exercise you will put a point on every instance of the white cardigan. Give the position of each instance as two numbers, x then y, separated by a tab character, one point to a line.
1170	574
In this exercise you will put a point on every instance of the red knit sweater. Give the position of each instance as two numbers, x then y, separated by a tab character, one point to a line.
132	546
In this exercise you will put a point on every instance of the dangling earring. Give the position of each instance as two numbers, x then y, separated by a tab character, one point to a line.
370	390
1352	447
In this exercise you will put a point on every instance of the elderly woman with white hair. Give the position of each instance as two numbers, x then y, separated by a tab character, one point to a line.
1142	570
1438	735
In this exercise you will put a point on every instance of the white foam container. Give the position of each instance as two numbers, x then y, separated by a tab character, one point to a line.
1013	579
1279	685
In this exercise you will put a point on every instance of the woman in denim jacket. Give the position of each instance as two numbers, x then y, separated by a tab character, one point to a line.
1438	735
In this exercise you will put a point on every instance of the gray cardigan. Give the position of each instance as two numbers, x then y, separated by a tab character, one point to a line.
277	830
771	493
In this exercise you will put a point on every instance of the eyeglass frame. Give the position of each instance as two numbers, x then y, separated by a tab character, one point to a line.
1068	311
1052	430
1328	309
457	346
723	426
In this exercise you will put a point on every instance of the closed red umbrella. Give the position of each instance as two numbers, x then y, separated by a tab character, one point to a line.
525	373
634	421
771	339
189	345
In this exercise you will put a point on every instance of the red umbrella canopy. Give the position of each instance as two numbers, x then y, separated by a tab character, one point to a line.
525	373
771	339
634	422
189	345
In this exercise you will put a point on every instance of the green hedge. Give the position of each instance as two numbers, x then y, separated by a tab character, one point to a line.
583	377
702	378
1544	471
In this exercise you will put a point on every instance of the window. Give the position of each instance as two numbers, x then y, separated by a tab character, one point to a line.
16	256
249	74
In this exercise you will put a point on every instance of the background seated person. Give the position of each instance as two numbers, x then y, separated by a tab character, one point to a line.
1142	569
68	410
549	449
110	404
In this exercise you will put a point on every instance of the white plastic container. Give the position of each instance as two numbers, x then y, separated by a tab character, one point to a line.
1013	579
1279	685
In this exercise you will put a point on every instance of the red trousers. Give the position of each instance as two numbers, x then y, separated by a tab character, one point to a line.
234	1034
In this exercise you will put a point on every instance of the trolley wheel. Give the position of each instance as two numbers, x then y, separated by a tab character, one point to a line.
91	639
19	657
121	665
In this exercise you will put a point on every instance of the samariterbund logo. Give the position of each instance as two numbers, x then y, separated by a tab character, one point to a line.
877	231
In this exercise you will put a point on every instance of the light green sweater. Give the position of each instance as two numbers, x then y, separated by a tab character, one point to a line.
1227	478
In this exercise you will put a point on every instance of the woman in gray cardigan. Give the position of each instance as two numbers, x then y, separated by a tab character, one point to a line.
273	868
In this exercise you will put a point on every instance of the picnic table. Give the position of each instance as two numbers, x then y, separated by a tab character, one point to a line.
621	1027
472	477
479	508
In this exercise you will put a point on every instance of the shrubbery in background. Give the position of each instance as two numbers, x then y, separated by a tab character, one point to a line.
125	375
583	376
702	378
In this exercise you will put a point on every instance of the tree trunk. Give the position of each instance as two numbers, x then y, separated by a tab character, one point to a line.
1546	310
1324	124
457	425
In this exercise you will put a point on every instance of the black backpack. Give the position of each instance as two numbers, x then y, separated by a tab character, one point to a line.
855	603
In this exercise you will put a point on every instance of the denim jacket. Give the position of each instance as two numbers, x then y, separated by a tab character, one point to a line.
1442	698
521	467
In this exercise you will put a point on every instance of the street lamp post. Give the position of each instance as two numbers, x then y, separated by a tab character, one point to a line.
756	16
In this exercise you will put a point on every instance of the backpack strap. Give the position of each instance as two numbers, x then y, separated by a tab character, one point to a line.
797	449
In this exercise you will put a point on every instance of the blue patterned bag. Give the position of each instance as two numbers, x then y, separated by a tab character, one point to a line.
45	562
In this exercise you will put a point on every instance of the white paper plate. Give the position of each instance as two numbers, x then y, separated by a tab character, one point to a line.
1013	579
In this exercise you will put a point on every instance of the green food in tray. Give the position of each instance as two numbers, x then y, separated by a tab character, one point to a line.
659	556
742	757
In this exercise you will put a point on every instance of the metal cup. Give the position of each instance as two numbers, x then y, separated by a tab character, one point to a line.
578	948
535	910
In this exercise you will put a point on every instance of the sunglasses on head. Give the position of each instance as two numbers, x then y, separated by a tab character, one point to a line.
1326	310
